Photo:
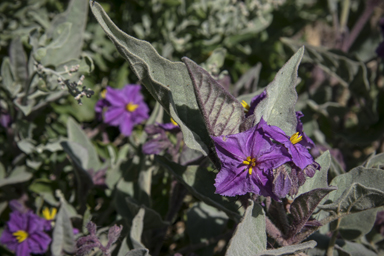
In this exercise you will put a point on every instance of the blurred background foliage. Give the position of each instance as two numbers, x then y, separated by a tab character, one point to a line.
46	46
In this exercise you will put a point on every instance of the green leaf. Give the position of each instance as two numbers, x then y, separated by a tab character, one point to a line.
62	236
137	229
376	161
19	62
278	107
76	134
353	226
43	187
250	237
18	175
79	156
320	179
364	186
203	223
8	81
288	250
60	37
167	81
138	252
76	14
354	249
77	153
343	68
199	182
129	209
222	112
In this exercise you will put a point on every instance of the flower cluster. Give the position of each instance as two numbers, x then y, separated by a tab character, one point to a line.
264	160
122	107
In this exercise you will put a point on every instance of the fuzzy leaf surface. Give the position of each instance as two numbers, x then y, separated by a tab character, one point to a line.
168	82
303	207
76	134
222	112
137	229
75	15
62	237
250	237
359	191
320	179
291	249
278	107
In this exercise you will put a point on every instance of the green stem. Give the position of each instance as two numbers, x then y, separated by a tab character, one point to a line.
344	15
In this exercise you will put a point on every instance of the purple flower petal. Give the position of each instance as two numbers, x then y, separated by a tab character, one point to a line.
247	161
37	240
115	97
126	127
255	101
114	116
23	249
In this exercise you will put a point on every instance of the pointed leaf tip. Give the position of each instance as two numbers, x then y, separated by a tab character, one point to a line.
222	112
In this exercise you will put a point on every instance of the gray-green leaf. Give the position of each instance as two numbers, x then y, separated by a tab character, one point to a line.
250	237
167	81
278	107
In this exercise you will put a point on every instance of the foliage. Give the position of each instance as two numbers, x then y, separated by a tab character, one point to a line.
201	64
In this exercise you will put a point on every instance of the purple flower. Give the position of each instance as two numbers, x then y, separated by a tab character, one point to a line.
24	234
248	160
297	145
5	119
254	102
102	104
126	108
159	140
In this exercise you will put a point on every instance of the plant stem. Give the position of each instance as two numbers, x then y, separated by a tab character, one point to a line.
332	242
370	5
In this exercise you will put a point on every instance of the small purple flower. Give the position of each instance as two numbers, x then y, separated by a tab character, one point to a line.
254	102
159	140
126	108
297	145
102	104
5	119
24	234
248	160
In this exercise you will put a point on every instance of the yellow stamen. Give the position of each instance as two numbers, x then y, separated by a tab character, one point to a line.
49	215
20	235
131	107
173	121
103	93
251	162
245	105
295	138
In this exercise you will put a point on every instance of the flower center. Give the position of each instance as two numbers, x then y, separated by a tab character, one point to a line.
295	138
103	93
49	215
131	107
245	105
251	162
173	121
20	235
